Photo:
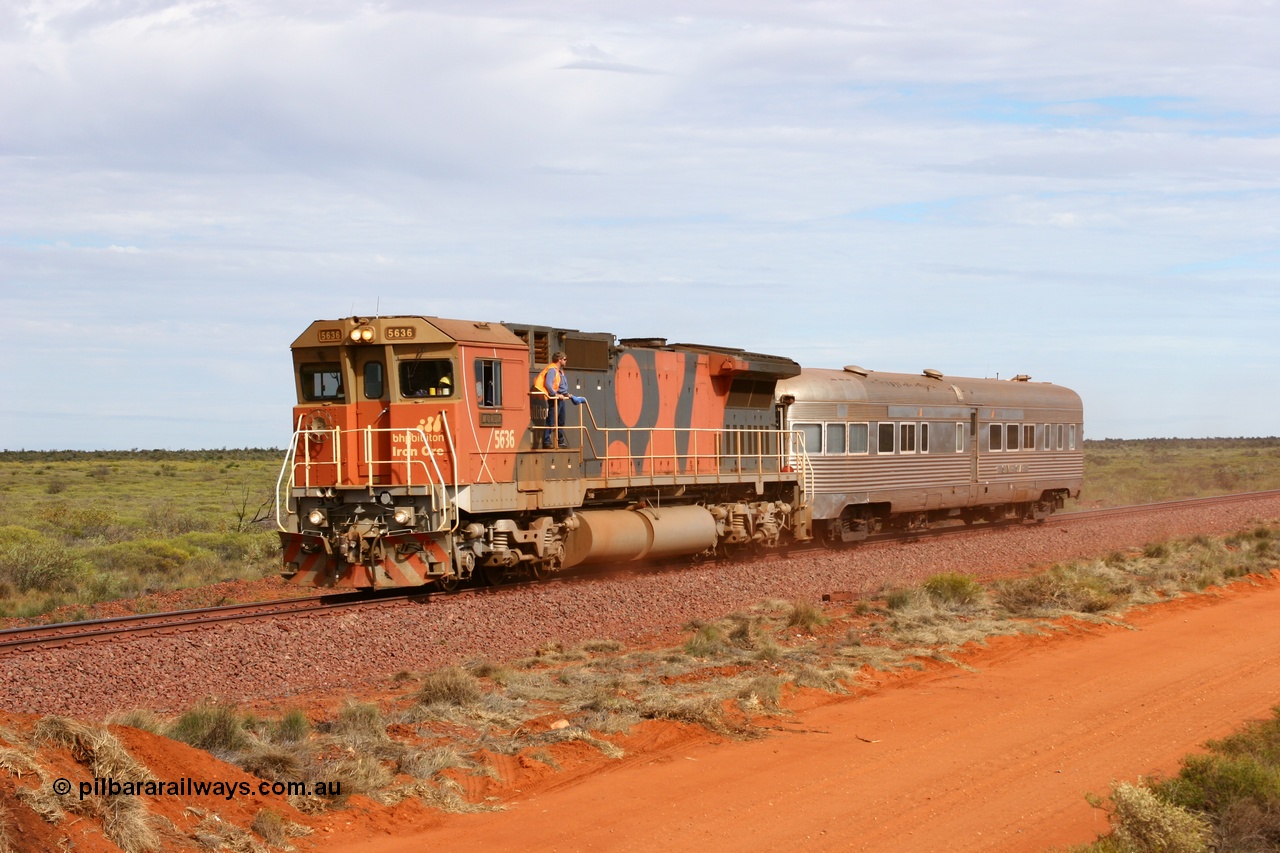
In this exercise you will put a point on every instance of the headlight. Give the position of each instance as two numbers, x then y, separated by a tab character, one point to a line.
363	334
317	518
404	516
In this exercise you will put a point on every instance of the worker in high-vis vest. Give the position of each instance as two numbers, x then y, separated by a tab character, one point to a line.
554	385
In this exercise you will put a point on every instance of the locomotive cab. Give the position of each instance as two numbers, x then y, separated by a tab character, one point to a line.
396	417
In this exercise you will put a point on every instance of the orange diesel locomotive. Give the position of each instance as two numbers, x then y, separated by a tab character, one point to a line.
417	452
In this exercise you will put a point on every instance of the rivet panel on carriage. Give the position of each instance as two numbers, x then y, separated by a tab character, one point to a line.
417	452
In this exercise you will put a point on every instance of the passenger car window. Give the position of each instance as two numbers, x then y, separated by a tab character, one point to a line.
924	438
907	438
996	432
1010	436
884	438
835	439
857	438
812	437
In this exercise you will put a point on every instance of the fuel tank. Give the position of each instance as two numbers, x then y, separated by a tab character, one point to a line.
652	532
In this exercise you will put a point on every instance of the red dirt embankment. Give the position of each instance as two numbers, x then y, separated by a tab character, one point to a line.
999	757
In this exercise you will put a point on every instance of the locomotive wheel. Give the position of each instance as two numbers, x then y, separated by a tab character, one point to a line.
448	583
494	575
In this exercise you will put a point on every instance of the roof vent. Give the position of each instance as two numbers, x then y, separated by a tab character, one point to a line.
853	368
1021	377
932	374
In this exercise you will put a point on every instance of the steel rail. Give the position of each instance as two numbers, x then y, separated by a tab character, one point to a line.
31	638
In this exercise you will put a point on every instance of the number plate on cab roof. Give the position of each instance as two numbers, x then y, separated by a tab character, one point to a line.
400	333
329	336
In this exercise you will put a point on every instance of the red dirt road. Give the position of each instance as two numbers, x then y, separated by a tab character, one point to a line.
999	758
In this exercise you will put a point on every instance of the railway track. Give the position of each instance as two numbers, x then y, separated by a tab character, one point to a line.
39	637
98	630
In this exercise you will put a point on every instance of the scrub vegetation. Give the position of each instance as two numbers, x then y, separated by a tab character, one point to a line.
1120	472
1226	799
82	528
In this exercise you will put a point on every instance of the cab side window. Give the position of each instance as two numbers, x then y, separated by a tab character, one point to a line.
426	377
489	383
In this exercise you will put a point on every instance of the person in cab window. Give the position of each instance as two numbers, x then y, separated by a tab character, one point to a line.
554	385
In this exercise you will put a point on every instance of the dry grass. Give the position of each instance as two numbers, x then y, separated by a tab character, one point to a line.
216	833
359	724
450	686
276	830
138	718
96	748
19	763
7	828
124	818
46	804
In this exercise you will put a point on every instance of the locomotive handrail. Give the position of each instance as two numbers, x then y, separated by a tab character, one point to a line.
788	450
437	485
291	462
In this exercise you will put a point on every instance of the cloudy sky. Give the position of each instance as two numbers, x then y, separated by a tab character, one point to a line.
1087	192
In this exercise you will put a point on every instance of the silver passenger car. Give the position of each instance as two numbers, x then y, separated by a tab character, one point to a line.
909	450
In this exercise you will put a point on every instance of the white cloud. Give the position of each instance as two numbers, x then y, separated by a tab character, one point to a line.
986	186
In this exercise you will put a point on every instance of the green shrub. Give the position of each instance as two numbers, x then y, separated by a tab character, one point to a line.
212	726
141	556
1062	588
360	721
168	520
293	727
35	562
230	545
899	599
805	615
707	640
1147	824
953	588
